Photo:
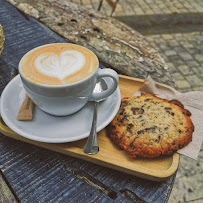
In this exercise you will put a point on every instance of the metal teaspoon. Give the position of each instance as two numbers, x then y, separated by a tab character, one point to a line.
91	146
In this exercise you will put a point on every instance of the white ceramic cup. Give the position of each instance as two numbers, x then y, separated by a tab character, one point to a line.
63	100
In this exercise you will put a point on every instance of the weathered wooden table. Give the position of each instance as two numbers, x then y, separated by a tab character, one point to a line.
33	174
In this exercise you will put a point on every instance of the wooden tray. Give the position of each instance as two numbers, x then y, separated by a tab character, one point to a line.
111	156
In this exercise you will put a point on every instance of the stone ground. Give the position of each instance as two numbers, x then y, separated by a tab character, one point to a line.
175	29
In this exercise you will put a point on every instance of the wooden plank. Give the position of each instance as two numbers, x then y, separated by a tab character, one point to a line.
5	193
110	155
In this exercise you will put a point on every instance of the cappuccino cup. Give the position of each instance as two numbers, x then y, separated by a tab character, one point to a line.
60	78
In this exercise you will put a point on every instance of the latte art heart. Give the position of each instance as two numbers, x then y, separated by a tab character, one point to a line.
60	66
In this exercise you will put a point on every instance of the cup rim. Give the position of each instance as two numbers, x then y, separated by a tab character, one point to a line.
56	86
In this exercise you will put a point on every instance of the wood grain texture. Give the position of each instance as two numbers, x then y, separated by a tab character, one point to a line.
1	39
109	155
40	175
5	193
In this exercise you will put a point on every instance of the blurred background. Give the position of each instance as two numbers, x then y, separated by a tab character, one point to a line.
175	29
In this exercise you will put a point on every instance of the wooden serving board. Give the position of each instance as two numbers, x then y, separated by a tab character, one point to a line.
110	155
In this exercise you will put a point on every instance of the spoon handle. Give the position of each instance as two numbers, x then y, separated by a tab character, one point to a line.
91	146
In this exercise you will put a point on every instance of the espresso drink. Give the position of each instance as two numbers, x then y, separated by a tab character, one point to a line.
58	64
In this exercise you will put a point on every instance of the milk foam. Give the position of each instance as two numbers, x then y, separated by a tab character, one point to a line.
60	66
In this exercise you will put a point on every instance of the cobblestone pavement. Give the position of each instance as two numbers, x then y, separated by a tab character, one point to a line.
175	29
183	54
146	7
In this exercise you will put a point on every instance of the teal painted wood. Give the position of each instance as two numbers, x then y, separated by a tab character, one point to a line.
40	175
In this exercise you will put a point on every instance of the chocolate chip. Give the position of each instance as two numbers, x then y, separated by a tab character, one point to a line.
140	131
146	100
132	145
113	127
188	113
167	108
142	110
130	126
124	119
124	103
154	129
122	112
172	114
137	111
158	139
115	133
179	131
166	128
134	109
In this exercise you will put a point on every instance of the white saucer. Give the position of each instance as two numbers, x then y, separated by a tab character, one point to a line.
51	129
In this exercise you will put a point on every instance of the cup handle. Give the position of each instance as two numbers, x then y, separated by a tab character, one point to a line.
101	74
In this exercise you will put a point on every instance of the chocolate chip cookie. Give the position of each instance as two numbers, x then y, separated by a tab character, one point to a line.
148	126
